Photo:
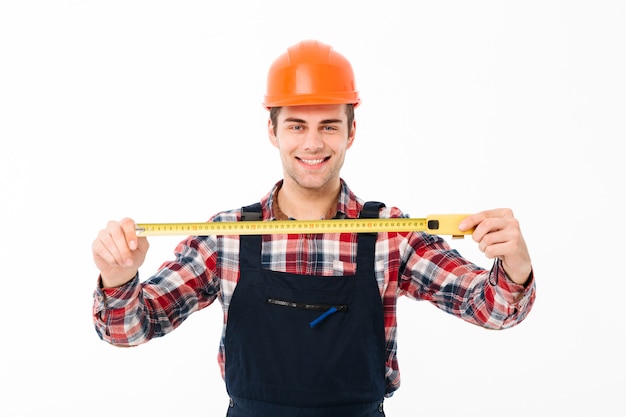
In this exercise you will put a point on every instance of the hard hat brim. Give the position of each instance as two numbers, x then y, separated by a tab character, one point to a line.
309	99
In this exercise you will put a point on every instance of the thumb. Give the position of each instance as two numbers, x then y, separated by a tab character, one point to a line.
142	244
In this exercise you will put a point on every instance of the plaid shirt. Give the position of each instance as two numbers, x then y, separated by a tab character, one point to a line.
414	264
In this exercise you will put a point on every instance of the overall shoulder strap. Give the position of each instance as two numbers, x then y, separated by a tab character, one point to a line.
250	246
252	212
366	248
371	209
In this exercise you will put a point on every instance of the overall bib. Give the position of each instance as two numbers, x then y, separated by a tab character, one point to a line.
302	345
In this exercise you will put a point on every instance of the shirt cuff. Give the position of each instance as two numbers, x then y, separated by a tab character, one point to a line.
519	296
117	297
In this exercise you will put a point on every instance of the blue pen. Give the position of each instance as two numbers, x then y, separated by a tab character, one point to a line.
323	316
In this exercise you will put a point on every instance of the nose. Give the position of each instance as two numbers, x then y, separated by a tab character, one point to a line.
313	141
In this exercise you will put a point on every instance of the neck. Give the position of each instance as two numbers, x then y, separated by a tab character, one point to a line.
305	204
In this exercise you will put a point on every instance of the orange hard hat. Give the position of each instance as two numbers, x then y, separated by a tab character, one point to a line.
310	72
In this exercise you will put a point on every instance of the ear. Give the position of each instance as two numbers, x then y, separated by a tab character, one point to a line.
352	134
270	133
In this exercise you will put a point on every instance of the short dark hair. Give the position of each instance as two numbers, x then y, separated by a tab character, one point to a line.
275	111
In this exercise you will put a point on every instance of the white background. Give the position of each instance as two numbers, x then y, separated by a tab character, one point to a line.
152	109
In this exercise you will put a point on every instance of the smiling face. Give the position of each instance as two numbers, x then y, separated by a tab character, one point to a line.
312	141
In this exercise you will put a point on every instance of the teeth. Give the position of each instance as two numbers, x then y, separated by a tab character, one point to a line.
312	161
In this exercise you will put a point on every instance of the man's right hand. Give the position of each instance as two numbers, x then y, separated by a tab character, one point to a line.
118	252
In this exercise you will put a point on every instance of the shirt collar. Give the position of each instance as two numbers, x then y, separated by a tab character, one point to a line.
348	206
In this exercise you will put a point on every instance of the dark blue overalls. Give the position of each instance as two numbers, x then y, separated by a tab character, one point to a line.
302	345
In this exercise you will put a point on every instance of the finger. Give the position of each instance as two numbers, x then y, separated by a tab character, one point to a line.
487	227
497	250
499	231
118	243
490	243
130	233
100	251
475	219
106	249
142	244
470	222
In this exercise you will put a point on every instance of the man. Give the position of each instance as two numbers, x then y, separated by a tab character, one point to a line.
310	319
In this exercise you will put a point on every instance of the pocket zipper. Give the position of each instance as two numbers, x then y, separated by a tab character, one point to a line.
328	309
307	306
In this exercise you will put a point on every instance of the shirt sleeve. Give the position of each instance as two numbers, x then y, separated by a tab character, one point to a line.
431	270
138	311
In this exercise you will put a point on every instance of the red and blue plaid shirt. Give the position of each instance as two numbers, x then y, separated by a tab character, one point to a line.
414	264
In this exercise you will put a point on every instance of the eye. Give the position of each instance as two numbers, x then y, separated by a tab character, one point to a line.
329	128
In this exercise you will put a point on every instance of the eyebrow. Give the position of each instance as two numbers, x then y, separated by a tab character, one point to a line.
324	122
